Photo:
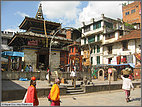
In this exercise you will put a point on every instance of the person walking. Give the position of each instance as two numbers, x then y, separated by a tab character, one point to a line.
27	68
47	75
54	95
73	77
126	86
30	68
31	96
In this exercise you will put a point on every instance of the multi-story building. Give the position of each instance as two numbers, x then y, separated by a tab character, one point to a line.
108	40
132	13
97	33
123	49
74	56
5	38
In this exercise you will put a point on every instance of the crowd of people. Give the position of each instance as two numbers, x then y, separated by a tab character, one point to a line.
27	68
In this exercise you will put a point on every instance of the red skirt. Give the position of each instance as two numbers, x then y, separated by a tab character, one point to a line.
55	103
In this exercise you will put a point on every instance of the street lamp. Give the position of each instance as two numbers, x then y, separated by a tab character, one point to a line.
51	47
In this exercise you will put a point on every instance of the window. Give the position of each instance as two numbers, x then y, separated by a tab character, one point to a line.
98	48
133	11
91	51
91	39
94	49
72	50
127	13
124	59
121	33
84	40
109	60
125	45
96	25
98	37
91	60
98	59
109	36
76	49
109	49
87	28
108	24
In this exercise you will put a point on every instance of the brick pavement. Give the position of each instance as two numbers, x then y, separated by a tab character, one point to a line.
104	98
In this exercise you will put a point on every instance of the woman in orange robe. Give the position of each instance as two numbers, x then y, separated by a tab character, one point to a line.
54	95
32	94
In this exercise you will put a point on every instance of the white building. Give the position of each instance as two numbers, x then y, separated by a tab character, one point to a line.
107	41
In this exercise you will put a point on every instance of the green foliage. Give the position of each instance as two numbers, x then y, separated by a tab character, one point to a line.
129	25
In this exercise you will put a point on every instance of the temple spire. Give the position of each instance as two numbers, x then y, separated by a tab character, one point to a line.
39	14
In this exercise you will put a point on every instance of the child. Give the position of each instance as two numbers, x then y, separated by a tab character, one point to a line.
127	85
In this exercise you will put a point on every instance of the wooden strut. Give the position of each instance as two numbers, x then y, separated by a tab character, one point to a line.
45	34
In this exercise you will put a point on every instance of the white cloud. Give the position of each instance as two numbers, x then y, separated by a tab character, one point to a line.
65	12
60	9
21	14
69	14
13	30
112	9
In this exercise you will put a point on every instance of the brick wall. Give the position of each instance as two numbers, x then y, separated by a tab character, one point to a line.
132	17
68	34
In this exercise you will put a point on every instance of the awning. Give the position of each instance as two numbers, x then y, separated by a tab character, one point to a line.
131	64
13	54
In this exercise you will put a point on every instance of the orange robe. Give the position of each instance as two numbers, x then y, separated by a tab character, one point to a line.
32	96
55	95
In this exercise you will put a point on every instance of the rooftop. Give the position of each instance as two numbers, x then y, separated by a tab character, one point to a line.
134	34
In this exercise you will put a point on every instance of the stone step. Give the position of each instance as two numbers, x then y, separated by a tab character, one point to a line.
72	88
76	93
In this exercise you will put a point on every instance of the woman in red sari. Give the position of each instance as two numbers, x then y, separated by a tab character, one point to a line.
31	93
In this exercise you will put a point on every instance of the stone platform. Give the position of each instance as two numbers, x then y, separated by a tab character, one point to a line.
15	89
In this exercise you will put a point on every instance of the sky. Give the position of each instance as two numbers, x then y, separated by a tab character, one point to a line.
69	13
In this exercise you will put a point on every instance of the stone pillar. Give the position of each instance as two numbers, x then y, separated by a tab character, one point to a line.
20	64
9	63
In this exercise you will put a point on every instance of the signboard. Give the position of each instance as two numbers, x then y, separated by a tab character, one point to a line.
32	43
109	70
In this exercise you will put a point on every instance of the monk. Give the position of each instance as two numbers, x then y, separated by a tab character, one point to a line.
31	93
54	95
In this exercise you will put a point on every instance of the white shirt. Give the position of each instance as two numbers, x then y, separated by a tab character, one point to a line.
75	68
73	74
127	83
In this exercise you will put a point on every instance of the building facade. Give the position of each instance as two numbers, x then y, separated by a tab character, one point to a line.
108	39
132	13
5	38
96	34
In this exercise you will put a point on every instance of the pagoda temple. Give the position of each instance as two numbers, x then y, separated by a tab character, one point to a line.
35	42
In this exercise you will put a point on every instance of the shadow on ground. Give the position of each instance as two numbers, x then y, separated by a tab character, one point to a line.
136	99
12	91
